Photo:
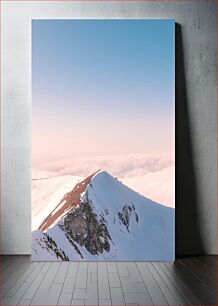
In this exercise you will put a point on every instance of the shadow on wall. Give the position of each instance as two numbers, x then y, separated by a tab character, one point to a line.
188	232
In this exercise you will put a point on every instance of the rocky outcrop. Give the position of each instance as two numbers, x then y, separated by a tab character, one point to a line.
46	242
126	214
81	225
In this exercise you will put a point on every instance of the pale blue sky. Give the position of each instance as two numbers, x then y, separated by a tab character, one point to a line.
94	78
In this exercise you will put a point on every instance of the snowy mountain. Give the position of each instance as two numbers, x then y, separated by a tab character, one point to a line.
102	219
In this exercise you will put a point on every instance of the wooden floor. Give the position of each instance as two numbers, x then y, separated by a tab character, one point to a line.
188	281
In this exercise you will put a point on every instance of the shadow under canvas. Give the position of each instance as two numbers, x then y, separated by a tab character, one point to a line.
188	229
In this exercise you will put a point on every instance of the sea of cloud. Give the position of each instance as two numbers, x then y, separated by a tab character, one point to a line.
122	166
150	174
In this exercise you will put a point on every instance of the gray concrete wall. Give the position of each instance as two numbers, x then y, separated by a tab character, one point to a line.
195	109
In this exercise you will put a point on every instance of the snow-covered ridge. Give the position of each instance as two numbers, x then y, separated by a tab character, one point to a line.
70	200
47	193
102	219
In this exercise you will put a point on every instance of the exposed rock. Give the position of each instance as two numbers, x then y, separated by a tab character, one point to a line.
125	215
82	226
48	243
69	201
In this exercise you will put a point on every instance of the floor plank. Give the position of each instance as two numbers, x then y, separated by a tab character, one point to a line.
103	282
12	273
155	292
206	294
24	277
117	296
167	292
48	298
188	281
61	274
177	290
14	300
32	290
171	271
209	276
65	298
49	277
209	263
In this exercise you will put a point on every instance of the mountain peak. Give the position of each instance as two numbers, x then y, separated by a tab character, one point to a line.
102	173
102	218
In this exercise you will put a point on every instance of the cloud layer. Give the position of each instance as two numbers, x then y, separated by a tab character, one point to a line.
158	186
150	174
122	166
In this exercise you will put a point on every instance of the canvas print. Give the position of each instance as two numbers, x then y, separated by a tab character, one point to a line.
103	145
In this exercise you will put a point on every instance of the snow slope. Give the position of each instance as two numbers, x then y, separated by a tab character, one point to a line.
47	192
110	222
